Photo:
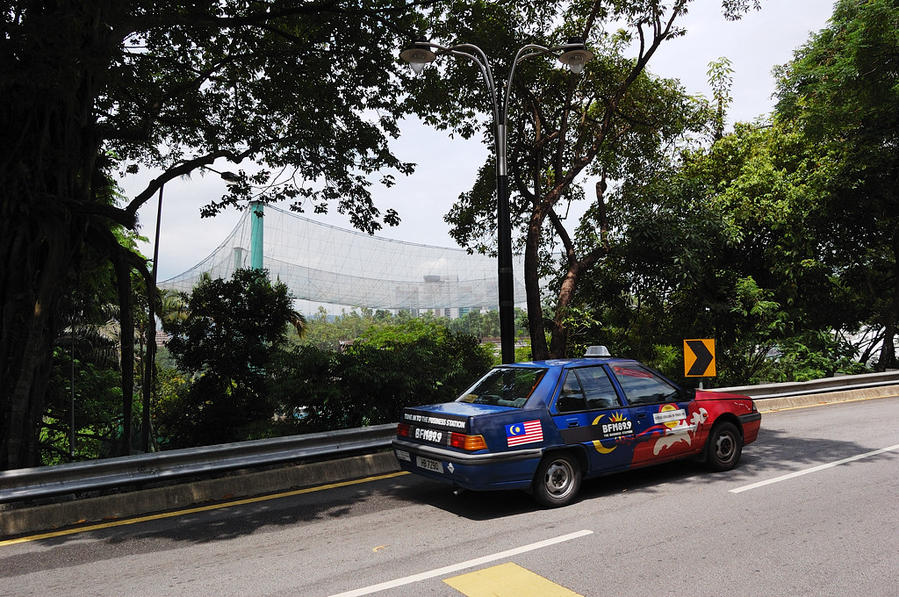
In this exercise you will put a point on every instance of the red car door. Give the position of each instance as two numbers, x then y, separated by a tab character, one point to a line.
665	427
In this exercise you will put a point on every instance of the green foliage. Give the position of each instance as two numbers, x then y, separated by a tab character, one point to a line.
478	324
581	323
720	77
232	326
233	331
327	332
780	237
840	91
409	331
238	80
731	242
170	409
667	358
808	356
331	332
244	380
97	402
92	327
372	379
522	353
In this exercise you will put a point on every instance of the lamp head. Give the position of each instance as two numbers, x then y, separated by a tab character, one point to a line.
229	177
418	54
576	55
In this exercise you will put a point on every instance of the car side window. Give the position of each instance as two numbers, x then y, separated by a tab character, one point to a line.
598	388
571	398
642	386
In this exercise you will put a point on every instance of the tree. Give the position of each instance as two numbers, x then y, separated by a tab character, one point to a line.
232	332
720	76
94	360
92	87
776	239
840	91
370	381
736	241
608	124
84	393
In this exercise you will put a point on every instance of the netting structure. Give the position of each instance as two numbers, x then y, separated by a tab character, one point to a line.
325	264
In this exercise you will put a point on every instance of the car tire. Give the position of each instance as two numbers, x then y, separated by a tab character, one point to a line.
558	480
724	447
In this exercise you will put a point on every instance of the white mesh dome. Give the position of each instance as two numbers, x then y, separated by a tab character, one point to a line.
326	264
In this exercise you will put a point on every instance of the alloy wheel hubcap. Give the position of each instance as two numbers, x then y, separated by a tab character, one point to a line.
724	447
558	478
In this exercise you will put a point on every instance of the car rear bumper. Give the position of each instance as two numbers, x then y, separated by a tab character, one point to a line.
482	471
751	423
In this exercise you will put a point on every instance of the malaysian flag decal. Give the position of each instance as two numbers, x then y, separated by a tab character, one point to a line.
527	432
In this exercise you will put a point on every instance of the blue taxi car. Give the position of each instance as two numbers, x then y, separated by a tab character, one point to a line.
546	425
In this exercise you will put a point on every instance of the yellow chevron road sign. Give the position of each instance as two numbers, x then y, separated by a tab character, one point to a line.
699	358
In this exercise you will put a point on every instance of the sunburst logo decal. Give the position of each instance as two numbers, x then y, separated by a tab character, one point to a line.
615	427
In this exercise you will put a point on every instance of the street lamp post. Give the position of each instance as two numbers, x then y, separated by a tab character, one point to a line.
574	54
150	369
149	384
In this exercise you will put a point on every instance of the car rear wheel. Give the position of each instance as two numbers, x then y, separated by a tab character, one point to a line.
724	447
558	480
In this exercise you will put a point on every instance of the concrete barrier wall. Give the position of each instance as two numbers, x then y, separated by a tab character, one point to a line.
186	495
776	404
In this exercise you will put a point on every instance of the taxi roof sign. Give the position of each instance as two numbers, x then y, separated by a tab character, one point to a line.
597	351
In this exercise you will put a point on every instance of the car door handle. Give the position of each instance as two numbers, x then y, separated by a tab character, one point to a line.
573	424
641	415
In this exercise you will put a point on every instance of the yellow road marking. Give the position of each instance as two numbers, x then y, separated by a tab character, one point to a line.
253	500
507	580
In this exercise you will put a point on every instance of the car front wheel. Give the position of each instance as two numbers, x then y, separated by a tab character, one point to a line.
724	447
558	480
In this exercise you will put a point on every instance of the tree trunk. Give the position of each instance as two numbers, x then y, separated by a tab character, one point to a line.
48	152
532	287
559	338
887	358
30	286
126	336
888	348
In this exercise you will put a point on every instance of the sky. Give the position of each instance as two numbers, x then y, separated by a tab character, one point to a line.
446	166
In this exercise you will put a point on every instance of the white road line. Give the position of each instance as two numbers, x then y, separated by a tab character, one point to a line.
391	584
814	469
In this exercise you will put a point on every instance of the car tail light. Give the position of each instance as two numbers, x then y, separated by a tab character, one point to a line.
467	442
402	429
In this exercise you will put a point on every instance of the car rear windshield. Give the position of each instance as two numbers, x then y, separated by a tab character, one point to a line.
504	386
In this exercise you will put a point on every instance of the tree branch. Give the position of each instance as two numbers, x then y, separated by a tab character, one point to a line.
183	169
257	18
563	235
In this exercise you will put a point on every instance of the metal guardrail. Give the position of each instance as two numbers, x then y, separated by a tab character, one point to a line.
816	386
44	481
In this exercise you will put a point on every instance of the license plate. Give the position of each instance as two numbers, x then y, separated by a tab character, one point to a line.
403	455
428	464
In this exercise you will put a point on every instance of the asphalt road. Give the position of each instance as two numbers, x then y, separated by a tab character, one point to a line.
669	530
